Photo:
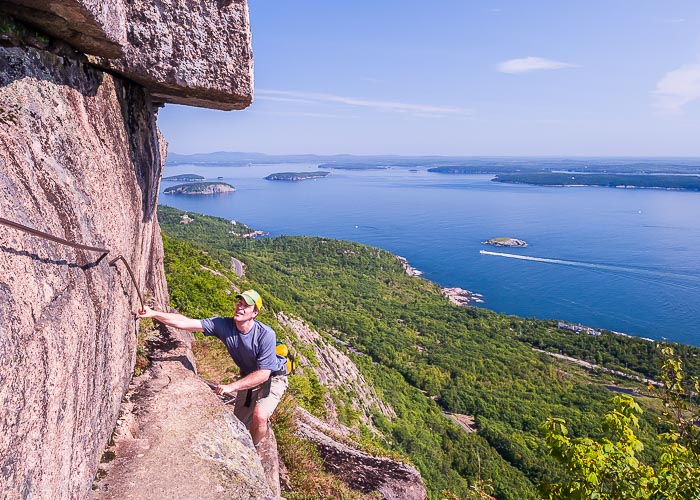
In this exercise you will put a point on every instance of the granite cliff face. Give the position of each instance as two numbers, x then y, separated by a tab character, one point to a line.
81	159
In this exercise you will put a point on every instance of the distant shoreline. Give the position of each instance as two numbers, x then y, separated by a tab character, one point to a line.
456	295
673	182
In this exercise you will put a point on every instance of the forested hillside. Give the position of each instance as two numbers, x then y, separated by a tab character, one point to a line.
425	355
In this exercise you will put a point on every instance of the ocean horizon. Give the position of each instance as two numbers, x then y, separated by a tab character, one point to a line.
624	260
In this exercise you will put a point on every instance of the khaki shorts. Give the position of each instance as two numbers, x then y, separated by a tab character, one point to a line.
245	413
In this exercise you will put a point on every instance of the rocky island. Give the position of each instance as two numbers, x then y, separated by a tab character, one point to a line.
184	178
505	242
296	176
201	188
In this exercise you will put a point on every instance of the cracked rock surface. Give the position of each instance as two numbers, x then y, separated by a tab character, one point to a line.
175	439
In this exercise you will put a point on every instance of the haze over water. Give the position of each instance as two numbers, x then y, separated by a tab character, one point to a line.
626	260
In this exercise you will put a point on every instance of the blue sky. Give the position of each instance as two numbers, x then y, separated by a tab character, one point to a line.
461	77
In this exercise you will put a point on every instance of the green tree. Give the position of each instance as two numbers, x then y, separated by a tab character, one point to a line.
609	467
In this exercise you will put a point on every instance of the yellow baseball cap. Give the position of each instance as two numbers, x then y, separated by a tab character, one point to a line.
251	297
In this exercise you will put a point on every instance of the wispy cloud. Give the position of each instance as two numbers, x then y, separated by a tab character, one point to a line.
678	88
264	97
393	106
527	64
307	114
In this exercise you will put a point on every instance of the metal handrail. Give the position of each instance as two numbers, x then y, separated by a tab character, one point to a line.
104	251
113	263
51	237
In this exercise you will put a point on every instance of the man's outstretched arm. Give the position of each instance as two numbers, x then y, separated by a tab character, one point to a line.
248	382
175	320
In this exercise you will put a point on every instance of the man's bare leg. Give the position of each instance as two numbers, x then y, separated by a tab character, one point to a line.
258	425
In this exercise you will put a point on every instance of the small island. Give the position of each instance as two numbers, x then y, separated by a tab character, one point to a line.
465	169
184	178
505	242
200	188
353	166
296	176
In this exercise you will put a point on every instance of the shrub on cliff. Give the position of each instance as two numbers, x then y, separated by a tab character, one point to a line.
610	467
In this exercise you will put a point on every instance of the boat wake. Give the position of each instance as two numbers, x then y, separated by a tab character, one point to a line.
660	276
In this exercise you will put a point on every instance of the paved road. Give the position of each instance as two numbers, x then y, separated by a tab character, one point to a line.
237	266
591	366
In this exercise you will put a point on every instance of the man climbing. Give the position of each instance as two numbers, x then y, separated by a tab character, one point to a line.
251	345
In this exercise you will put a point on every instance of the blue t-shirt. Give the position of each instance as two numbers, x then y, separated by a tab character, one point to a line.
251	351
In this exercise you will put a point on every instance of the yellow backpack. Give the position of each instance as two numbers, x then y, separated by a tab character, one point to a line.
291	362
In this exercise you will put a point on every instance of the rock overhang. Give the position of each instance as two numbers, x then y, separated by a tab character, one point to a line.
182	51
90	26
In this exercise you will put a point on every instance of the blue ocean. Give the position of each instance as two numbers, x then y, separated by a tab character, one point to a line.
626	260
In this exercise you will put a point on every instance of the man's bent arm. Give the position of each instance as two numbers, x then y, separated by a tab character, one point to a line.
248	382
175	320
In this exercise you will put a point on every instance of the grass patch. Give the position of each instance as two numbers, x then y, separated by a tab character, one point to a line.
213	361
307	475
146	329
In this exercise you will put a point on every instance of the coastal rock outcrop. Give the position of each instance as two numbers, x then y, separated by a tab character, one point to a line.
461	297
410	270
